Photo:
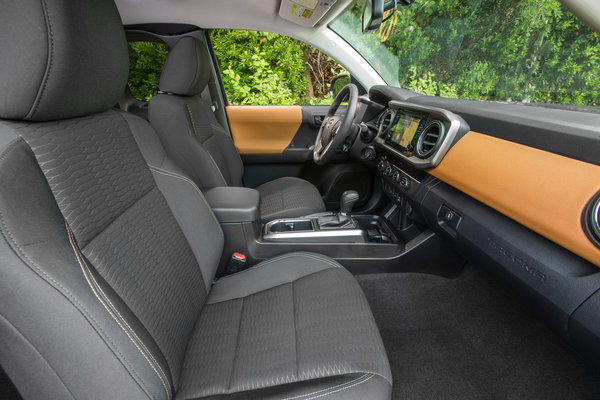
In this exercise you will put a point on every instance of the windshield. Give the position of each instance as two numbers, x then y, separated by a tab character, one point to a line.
527	51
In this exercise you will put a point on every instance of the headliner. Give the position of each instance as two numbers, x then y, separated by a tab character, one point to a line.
260	15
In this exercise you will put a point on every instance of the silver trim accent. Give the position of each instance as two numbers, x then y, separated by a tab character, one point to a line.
333	236
452	124
595	219
440	139
315	235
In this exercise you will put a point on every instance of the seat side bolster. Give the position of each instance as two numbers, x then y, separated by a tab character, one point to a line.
56	314
49	331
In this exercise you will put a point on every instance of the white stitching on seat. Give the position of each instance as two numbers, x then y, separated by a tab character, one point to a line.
79	258
339	390
119	314
320	393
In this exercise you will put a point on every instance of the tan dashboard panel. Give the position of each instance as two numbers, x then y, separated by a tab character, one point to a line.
263	129
544	191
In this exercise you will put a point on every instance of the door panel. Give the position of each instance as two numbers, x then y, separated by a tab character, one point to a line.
263	129
264	161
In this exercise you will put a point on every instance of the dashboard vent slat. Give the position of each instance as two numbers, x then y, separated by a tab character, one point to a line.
385	123
430	139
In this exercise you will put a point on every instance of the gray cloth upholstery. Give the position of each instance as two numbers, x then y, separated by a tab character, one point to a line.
193	137
51	319
192	212
107	257
184	74
122	223
288	197
290	319
50	49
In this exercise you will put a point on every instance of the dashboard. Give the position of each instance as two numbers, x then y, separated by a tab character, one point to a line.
409	139
513	188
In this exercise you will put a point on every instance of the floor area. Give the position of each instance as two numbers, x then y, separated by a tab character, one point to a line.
469	338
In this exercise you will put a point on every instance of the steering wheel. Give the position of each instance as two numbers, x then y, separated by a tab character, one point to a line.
336	128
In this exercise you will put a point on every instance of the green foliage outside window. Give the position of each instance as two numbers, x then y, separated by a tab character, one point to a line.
507	50
262	68
257	68
146	60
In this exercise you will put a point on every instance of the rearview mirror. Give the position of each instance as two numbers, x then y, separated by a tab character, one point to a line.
337	83
372	15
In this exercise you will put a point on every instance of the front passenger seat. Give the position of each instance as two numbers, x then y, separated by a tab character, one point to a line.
108	253
192	136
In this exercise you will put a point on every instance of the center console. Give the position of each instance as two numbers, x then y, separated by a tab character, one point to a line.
330	228
361	243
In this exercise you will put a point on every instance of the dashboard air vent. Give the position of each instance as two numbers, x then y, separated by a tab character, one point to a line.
385	122
430	139
591	219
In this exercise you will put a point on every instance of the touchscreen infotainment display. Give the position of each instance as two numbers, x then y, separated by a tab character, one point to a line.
405	130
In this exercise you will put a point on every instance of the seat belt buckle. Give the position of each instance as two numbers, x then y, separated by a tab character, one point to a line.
237	263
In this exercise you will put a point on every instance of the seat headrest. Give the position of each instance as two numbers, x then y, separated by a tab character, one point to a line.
60	58
187	70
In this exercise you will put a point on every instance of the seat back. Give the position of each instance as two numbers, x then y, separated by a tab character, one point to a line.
105	262
186	123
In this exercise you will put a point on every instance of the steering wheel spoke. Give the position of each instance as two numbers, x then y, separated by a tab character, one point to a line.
318	147
336	128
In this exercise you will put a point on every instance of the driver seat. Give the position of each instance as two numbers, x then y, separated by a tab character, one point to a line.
192	136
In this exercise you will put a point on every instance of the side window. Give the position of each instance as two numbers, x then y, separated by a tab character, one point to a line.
260	68
146	60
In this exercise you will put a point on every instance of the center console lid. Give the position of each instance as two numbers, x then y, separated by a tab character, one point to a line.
234	204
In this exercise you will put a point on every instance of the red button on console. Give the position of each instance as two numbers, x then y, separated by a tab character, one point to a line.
239	256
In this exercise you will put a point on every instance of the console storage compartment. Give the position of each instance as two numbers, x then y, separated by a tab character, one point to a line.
307	230
292	225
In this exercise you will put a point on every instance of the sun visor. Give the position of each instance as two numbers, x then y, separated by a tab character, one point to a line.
304	12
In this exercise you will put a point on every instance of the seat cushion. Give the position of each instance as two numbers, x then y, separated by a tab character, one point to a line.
288	198
294	326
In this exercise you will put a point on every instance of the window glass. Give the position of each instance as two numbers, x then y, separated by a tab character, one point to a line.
531	51
260	68
146	60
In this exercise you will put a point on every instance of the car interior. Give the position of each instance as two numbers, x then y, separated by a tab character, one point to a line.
386	245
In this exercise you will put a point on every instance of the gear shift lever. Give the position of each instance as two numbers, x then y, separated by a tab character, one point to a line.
347	201
341	220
